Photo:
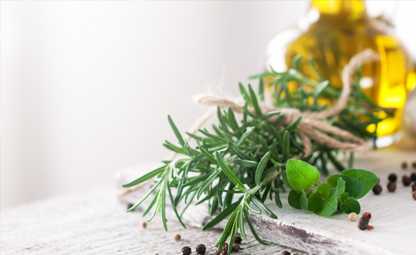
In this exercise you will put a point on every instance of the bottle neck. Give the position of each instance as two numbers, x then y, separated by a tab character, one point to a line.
351	9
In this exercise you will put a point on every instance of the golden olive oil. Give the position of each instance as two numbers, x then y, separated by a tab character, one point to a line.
339	30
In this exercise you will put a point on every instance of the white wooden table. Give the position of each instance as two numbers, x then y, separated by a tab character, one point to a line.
96	223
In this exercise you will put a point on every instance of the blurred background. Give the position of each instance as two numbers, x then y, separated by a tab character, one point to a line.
86	85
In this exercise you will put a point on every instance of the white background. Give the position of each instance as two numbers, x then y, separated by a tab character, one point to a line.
86	85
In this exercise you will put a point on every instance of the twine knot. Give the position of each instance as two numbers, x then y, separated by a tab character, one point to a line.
313	125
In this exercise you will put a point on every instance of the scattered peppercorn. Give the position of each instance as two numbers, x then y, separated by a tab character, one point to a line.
414	195
406	180
364	220
392	177
238	240
200	249
404	165
414	186
186	250
377	189
352	216
177	237
236	247
391	186
285	253
413	177
144	224
224	250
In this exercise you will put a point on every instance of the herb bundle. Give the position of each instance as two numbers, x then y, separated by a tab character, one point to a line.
243	161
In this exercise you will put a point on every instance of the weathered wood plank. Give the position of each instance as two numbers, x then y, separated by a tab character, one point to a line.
394	219
95	223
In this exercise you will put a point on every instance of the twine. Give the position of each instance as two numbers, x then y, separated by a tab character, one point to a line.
313	125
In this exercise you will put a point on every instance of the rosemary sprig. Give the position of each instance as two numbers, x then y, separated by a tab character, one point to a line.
240	162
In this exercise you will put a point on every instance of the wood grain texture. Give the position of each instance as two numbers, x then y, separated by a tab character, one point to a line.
97	224
393	218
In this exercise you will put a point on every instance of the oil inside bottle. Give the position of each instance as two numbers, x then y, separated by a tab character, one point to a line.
336	31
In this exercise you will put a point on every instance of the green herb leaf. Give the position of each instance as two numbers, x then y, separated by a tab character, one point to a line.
301	175
359	182
145	177
298	200
227	211
324	201
229	173
331	205
176	131
349	205
261	166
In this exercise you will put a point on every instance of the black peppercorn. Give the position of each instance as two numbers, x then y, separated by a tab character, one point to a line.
186	250
404	165
392	177
238	240
364	220
391	186
144	224
285	253
406	180
200	249
413	177
377	189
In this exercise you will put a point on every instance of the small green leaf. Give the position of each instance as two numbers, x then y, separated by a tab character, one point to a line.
298	200
244	92
324	201
331	205
261	89
229	173
359	182
349	205
227	211
286	144
176	131
261	166
254	101
145	177
316	202
301	175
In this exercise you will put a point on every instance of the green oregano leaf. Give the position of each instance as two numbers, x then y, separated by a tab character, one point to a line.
324	201
298	200
331	205
358	182
301	175
349	205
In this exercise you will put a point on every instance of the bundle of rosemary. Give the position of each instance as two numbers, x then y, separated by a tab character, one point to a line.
244	160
